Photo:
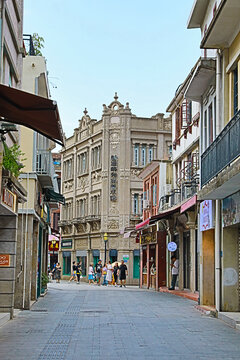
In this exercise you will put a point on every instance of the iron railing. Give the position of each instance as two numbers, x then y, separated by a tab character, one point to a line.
43	162
224	149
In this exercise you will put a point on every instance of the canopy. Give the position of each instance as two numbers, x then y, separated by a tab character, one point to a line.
35	112
50	195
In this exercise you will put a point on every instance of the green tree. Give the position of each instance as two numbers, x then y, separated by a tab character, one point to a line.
38	43
11	159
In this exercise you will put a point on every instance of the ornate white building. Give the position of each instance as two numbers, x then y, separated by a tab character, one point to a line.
100	167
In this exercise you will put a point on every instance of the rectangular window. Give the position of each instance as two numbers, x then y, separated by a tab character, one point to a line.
66	263
205	130
235	91
143	155
141	204
150	153
136	155
210	124
135	204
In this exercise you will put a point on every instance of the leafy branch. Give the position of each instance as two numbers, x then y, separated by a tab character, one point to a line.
11	159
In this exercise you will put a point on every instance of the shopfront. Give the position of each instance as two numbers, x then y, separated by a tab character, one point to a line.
82	259
96	256
231	252
66	247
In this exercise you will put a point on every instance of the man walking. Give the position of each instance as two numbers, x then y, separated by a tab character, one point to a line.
98	269
123	272
74	272
175	266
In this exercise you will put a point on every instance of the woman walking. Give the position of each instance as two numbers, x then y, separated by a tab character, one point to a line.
104	274
115	273
109	273
57	273
90	274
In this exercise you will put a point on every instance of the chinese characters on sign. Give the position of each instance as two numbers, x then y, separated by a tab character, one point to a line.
9	199
4	260
113	179
206	215
231	210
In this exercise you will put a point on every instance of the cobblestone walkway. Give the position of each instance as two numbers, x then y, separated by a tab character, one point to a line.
88	322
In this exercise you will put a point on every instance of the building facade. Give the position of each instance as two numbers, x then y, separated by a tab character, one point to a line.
104	196
220	151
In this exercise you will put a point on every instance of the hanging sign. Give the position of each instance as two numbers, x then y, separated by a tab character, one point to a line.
206	215
172	246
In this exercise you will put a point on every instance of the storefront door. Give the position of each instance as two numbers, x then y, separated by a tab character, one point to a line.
136	263
39	270
186	260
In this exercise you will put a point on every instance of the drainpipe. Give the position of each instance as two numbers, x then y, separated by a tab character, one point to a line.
218	202
217	255
25	245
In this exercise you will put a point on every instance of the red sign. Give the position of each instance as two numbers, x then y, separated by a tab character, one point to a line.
9	199
4	260
53	246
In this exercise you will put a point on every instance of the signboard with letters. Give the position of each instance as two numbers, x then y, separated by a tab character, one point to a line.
66	244
206	215
9	199
4	260
148	238
231	210
113	178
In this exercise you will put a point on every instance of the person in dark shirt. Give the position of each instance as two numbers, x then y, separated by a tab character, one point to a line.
79	269
115	273
98	269
74	272
123	272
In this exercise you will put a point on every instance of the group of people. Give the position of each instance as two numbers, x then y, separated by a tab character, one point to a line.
108	274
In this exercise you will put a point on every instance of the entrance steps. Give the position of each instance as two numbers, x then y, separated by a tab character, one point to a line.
183	293
230	318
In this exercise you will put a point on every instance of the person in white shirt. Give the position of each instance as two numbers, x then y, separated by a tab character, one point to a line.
175	266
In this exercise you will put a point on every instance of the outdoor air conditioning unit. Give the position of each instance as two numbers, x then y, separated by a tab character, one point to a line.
145	204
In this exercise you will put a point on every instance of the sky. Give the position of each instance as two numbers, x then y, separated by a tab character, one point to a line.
141	49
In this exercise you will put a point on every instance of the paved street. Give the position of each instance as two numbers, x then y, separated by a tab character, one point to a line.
87	322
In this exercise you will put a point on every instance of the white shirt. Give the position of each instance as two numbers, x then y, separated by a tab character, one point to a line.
175	267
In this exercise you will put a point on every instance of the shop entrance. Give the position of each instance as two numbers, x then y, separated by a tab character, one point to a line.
186	260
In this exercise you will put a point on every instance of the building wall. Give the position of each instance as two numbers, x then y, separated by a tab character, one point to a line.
117	135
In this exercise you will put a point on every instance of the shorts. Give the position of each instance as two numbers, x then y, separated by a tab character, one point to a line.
99	275
74	273
90	277
122	277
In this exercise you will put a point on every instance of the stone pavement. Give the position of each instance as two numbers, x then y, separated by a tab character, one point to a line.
88	322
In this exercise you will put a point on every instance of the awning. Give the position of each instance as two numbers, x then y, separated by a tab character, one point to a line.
66	253
81	253
188	204
113	252
35	112
50	195
142	224
165	214
96	253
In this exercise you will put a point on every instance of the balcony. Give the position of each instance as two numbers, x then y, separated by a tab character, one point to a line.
224	150
44	169
93	218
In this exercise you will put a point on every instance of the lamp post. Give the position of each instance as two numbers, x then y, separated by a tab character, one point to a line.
53	244
105	237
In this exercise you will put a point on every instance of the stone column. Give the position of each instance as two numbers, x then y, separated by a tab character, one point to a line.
181	258
157	267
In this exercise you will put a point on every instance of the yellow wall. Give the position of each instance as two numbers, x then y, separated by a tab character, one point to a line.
230	298
26	145
233	53
207	296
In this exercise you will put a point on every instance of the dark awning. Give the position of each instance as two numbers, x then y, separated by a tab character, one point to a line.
96	253
50	195
35	112
165	214
112	252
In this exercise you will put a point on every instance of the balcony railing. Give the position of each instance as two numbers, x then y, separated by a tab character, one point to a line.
43	162
224	149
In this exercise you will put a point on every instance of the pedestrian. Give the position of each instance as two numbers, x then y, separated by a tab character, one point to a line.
104	272
74	272
78	272
109	273
57	272
123	272
90	274
115	273
98	269
175	268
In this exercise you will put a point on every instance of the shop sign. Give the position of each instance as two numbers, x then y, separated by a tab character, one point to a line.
206	215
148	238
231	210
66	244
113	178
125	258
9	199
172	246
53	245
4	260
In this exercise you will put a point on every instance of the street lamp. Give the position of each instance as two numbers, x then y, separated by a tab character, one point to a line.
53	244
105	237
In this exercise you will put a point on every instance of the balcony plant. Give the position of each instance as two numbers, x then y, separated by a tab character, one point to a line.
12	159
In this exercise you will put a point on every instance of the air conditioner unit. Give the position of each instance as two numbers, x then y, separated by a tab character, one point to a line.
145	204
